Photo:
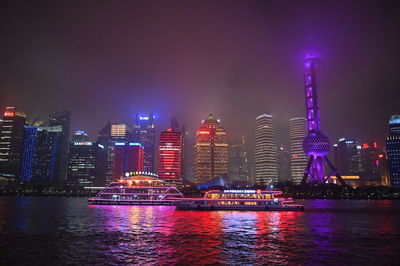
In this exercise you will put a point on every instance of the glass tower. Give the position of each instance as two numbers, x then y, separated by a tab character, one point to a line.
265	157
144	133
211	151
298	159
393	150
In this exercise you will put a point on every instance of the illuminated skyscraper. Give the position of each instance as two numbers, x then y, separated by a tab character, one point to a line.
144	133
211	151
11	144
62	119
316	145
81	161
298	159
265	159
369	155
128	157
238	163
169	155
347	156
393	150
42	154
283	164
120	132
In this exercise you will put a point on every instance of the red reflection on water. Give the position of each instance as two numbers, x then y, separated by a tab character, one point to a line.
276	230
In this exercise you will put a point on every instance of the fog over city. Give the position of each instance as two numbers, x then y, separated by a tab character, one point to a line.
236	59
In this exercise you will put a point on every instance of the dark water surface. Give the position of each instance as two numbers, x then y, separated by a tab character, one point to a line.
67	231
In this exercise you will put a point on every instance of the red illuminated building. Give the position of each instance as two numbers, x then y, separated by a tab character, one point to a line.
169	155
370	157
129	157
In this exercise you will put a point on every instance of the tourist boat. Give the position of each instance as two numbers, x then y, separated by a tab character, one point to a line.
253	200
137	189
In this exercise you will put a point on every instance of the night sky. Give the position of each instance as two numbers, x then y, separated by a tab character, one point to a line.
106	60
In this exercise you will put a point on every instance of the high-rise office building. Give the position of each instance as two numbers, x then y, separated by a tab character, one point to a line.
298	159
81	161
265	160
283	163
369	155
211	151
62	119
393	150
175	127
169	155
121	132
238	163
107	137
11	144
104	156
144	133
347	156
128	157
384	170
42	154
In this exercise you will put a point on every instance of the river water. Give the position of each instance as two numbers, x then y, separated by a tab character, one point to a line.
68	231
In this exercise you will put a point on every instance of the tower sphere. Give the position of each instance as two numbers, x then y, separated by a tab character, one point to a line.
316	144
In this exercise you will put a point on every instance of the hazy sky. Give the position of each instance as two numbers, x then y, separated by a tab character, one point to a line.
106	60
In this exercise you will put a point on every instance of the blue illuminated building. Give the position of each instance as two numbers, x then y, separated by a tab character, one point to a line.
29	154
42	154
393	150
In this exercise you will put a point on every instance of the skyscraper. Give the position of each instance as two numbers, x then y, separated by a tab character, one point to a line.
283	163
211	150
81	161
42	154
369	155
144	133
169	155
265	160
238	163
347	156
128	157
62	119
393	150
11	144
316	145
298	159
104	156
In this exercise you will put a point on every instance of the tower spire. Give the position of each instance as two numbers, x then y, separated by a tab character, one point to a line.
316	145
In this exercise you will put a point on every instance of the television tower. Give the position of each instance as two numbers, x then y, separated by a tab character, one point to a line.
316	145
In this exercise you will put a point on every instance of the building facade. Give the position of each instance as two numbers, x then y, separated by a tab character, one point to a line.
11	144
393	150
128	157
238	163
42	154
265	159
62	119
170	155
283	162
211	151
298	159
145	134
81	161
347	156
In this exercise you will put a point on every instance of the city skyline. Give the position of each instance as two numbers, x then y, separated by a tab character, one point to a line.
131	65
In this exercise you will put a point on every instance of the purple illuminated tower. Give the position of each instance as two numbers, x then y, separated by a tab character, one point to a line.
316	145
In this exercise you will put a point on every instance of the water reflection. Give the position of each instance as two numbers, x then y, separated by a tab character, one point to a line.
68	231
